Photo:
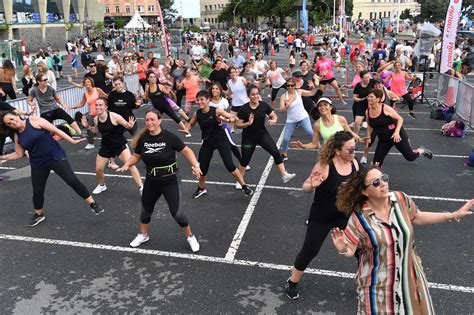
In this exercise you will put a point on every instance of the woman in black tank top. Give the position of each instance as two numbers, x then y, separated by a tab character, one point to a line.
209	119
336	165
385	123
111	125
157	94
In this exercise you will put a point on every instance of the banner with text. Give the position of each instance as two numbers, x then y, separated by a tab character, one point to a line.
449	34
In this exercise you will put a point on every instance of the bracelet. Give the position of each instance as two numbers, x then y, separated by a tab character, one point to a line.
344	253
446	214
455	217
195	166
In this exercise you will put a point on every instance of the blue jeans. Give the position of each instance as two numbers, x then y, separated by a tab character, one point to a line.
290	127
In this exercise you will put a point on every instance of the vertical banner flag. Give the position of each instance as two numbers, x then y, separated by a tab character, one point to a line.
164	38
304	17
449	34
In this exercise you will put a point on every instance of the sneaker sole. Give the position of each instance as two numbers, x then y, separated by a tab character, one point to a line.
293	298
199	195
139	244
37	222
97	193
97	213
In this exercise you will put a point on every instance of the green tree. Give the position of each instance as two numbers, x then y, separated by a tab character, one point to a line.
405	14
119	22
433	10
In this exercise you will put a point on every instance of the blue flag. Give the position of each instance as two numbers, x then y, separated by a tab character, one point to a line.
304	17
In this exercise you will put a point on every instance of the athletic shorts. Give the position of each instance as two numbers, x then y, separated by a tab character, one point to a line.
326	82
235	109
111	152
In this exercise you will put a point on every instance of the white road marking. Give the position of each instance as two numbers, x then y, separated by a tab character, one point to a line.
239	234
238	262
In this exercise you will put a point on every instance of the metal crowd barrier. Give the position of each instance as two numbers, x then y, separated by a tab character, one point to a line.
455	92
72	96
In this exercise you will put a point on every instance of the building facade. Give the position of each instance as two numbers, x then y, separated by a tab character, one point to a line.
210	10
47	22
126	9
380	9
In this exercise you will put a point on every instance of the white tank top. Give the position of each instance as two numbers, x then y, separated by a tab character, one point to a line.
239	92
296	111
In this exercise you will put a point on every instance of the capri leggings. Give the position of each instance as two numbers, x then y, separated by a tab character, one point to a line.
166	108
152	191
316	233
8	89
266	142
39	176
409	101
205	156
275	91
385	143
233	147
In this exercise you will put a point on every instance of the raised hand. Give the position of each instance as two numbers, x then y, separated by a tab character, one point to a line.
338	239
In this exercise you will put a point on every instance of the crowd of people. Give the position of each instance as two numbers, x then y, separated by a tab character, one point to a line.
220	90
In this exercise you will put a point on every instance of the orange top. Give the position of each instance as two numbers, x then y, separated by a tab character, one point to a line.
290	39
192	87
90	99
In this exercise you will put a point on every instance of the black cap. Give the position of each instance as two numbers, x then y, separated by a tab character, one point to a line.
378	80
297	74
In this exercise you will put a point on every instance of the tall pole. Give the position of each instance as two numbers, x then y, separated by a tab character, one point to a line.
334	13
235	8
163	32
398	16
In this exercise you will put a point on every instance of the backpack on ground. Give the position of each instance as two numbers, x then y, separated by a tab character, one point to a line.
454	128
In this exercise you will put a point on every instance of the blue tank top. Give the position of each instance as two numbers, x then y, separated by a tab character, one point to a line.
41	146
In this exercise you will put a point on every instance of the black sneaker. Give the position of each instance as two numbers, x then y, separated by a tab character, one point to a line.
291	290
426	153
96	208
247	190
412	115
199	192
37	219
284	158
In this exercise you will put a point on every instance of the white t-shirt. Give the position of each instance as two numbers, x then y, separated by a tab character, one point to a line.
239	92
196	52
222	104
262	65
298	42
276	77
296	111
431	59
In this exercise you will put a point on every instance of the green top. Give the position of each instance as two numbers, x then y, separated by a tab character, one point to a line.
327	132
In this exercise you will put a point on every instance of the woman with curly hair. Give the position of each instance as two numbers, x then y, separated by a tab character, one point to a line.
336	164
390	277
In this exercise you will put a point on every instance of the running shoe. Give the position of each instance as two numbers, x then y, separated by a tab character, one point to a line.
188	135
426	153
89	146
36	219
247	168
238	186
96	208
199	192
247	190
291	289
112	165
139	239
193	243
141	190
363	160
412	115
287	177
284	158
99	189
364	125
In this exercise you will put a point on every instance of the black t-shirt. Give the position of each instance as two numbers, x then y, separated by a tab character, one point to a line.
159	150
212	133
122	103
363	92
257	128
99	80
219	76
6	106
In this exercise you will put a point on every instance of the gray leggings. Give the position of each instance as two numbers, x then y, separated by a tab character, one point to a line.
152	191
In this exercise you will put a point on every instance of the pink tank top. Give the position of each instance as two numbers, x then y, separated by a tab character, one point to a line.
398	83
192	87
90	99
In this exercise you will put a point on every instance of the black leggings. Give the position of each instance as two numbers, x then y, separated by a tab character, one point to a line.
152	191
266	142
166	108
9	90
179	96
316	233
385	143
57	113
39	176
409	100
143	83
275	91
205	156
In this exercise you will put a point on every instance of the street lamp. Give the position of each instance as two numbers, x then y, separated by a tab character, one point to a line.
235	8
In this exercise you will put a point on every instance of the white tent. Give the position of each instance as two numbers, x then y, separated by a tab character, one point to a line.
137	22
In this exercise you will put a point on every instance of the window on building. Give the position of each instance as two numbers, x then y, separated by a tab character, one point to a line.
151	8
117	9
370	15
141	8
127	9
205	8
107	10
215	6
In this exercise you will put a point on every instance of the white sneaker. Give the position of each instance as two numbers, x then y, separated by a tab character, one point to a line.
99	189
287	177
238	186
193	243
364	125
89	146
188	135
352	125
139	239
363	160
247	168
141	190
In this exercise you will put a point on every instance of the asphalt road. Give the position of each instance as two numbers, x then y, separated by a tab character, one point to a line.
76	262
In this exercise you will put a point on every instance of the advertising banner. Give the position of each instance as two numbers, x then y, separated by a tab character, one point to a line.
449	34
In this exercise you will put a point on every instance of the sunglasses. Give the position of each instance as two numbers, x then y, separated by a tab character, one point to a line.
377	181
290	85
44	80
92	66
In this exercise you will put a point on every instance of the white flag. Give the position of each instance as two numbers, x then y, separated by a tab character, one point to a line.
449	35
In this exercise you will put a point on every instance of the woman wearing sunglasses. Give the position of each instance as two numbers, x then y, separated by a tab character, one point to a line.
390	277
385	123
336	165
